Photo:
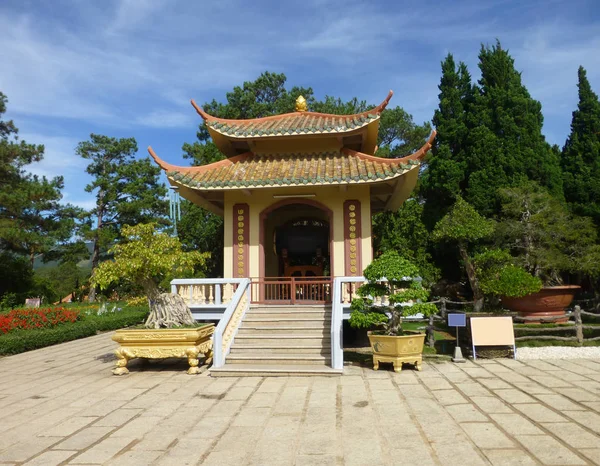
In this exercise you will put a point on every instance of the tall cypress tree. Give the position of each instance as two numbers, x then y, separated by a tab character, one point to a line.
445	175
581	154
505	144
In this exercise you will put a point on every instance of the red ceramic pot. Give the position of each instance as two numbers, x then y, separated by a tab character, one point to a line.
548	302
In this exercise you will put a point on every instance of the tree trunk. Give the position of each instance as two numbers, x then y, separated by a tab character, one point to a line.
167	310
96	252
95	261
477	294
395	326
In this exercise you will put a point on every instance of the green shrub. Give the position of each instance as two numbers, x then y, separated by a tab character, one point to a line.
498	276
26	340
400	287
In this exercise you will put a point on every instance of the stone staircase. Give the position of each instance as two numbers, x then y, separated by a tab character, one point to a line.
281	341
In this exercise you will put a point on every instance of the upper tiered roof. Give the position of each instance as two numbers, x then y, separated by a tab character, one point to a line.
235	137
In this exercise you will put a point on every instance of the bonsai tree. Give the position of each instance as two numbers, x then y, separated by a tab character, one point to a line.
395	277
544	237
463	226
144	258
499	276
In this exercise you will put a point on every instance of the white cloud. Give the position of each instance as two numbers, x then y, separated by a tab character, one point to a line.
167	119
59	156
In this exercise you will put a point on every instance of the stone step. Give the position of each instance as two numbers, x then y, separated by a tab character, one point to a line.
241	349
283	330
284	322
272	370
289	307
281	359
283	340
259	313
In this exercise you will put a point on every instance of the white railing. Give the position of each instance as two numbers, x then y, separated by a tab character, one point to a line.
344	289
228	325
205	292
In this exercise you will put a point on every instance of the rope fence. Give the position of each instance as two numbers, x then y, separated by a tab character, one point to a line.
577	313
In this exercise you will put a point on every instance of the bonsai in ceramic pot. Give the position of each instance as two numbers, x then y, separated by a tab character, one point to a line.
549	243
392	292
145	258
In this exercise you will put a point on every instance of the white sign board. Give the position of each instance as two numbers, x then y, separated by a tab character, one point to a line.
492	331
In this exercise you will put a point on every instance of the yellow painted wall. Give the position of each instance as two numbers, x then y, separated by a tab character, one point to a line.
330	196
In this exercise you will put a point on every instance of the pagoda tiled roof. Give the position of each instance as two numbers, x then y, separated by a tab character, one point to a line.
295	123
252	170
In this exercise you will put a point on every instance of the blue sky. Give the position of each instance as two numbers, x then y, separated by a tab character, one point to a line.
129	67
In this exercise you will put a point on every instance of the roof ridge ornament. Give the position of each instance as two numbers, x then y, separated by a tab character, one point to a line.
301	104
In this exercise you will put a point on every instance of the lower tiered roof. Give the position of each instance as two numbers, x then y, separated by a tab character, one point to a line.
268	170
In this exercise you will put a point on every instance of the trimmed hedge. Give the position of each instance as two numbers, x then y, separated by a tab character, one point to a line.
19	341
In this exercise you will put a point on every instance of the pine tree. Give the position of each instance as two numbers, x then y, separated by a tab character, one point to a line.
505	145
445	176
32	219
580	158
127	190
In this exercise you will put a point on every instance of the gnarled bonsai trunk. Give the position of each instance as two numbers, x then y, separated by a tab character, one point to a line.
477	293
166	309
395	324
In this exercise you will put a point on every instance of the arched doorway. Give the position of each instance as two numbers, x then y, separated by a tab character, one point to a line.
296	245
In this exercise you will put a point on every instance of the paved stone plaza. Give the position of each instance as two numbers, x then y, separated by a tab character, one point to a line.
61	405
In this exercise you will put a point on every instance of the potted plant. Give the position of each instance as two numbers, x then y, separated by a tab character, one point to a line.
548	242
145	258
392	292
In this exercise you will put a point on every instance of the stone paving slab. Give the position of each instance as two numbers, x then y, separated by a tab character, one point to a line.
61	405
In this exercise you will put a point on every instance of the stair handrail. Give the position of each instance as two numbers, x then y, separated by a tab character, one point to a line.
337	312
236	307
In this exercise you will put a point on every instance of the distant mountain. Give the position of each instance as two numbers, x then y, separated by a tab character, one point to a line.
83	264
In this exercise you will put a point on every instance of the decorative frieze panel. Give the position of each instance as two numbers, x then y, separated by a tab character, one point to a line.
352	238
241	233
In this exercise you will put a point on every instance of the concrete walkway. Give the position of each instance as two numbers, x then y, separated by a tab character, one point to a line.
61	405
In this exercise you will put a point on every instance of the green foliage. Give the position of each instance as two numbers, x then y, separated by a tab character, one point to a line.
390	266
395	277
201	230
403	231
62	280
511	281
398	134
580	158
127	191
32	219
489	137
145	257
366	320
16	278
462	224
444	178
544	237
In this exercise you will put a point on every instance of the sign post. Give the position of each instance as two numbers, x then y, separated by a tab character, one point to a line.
457	320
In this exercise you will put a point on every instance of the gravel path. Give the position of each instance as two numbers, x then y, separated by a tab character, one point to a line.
559	352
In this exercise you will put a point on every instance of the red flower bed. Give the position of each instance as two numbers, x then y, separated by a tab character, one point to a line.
33	318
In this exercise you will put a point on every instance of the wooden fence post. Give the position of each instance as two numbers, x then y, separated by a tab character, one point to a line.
430	333
578	325
443	308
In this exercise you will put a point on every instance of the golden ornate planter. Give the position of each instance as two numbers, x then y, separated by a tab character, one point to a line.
163	343
397	350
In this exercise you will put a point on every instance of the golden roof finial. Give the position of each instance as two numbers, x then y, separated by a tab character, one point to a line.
301	104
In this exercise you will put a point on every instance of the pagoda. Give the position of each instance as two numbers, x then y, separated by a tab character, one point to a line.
297	191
